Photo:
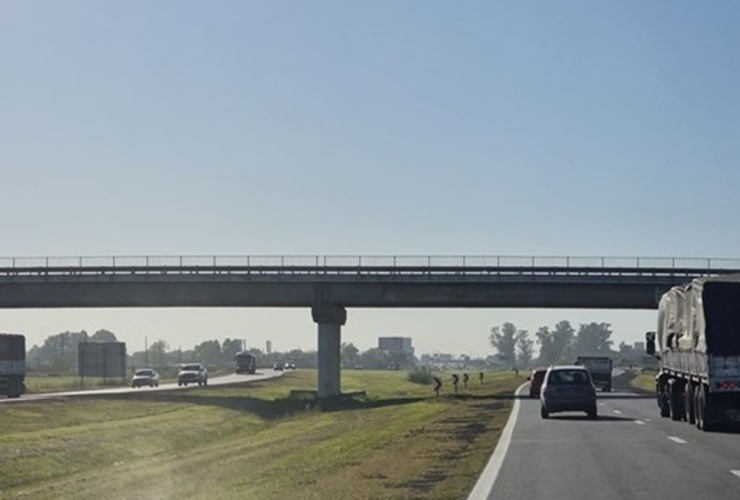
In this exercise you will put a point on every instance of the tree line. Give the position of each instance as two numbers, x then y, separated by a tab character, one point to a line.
58	354
557	345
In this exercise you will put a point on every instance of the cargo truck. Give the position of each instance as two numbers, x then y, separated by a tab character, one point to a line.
601	370
697	343
246	362
12	364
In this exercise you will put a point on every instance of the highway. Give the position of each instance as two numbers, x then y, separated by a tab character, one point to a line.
629	452
222	380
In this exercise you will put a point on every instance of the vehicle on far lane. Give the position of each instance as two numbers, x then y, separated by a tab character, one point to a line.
278	367
192	373
145	376
535	381
568	388
246	362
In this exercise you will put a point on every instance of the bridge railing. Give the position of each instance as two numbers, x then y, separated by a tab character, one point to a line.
367	261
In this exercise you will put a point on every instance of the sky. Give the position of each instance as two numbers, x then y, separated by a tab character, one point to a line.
573	128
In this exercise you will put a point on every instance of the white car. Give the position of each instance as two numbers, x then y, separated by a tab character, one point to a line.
191	373
145	376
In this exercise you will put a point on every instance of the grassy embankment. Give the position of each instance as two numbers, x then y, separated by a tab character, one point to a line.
644	381
251	441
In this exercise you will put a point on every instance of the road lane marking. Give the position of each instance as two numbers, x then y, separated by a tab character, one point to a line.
639	422
618	411
735	472
484	485
602	404
676	440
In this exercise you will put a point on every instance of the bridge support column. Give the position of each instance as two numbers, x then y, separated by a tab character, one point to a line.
330	319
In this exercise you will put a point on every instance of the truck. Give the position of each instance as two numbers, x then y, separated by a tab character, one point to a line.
246	362
12	364
697	345
600	368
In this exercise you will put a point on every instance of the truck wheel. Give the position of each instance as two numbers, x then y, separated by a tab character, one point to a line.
676	400
665	407
701	410
689	404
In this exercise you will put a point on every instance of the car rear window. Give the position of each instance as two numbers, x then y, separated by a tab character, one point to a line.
193	368
144	372
568	377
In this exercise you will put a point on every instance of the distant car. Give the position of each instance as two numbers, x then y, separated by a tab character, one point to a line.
535	381
290	365
145	376
278	367
568	388
192	373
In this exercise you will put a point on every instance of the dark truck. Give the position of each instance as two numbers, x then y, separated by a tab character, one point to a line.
697	343
12	364
601	370
246	362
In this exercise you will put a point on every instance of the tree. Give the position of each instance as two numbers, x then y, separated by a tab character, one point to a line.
525	349
350	355
563	342
103	336
504	341
208	352
593	339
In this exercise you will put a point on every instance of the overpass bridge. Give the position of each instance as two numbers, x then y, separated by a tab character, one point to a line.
330	284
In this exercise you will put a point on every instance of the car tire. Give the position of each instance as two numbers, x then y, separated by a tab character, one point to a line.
205	382
543	412
592	413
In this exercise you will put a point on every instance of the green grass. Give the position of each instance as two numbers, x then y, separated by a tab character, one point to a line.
252	441
644	380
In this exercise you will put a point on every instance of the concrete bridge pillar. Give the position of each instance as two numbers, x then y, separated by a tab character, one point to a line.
330	319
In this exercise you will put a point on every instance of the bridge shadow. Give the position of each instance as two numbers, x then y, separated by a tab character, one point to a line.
268	409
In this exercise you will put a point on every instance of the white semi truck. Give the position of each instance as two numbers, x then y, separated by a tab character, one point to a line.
697	343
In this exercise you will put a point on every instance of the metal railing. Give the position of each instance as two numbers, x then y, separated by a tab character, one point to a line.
291	264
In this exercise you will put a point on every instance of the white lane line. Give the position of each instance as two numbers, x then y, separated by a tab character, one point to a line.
602	404
648	419
639	422
735	472
484	485
618	411
676	440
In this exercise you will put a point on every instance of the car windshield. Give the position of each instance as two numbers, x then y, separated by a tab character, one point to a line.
144	373
568	377
190	368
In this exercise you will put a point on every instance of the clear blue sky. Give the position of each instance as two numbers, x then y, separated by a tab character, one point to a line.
431	128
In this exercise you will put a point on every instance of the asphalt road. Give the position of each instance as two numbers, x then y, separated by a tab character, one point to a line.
212	381
629	452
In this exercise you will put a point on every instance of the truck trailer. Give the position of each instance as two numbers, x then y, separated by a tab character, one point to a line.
12	364
697	343
246	362
600	368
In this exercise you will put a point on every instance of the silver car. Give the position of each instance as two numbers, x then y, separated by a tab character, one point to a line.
568	388
192	373
145	376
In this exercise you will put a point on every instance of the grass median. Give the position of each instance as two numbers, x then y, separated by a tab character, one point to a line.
252	440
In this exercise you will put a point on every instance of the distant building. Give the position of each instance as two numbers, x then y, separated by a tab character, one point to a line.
268	347
396	344
640	346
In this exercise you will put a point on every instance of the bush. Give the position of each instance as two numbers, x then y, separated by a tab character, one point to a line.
420	375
